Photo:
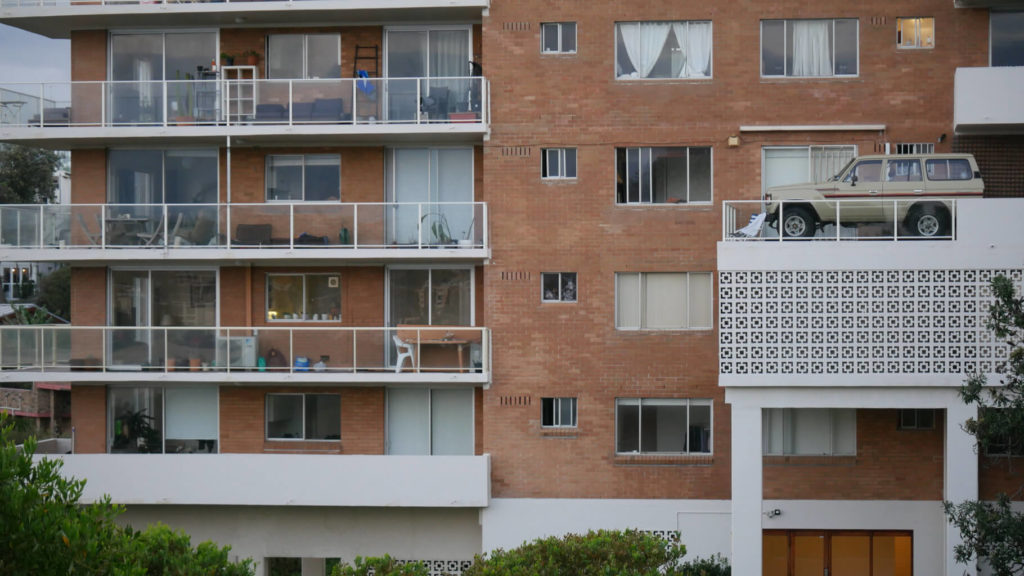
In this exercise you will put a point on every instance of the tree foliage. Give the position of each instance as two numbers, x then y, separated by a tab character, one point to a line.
54	292
993	531
44	529
26	174
382	566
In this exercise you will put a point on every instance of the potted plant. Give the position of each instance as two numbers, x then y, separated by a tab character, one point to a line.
438	227
252	57
467	238
226	59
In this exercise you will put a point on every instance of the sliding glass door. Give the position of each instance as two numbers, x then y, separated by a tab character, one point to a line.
438	55
431	179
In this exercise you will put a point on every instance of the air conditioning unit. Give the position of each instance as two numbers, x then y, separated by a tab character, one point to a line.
237	352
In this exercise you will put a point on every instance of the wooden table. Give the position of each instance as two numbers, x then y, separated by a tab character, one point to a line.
440	336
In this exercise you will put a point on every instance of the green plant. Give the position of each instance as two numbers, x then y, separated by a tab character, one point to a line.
600	553
439	227
227	59
382	566
714	565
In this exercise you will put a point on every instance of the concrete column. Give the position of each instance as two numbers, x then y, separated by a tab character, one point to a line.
960	462
747	490
314	567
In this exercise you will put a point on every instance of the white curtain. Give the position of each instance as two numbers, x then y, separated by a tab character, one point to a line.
144	74
698	49
812	54
644	42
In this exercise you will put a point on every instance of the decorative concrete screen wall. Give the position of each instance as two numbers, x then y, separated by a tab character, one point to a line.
858	322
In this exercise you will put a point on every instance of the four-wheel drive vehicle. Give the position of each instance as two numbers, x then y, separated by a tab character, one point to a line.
913	190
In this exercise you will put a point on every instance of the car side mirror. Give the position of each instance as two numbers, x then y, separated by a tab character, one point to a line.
853	180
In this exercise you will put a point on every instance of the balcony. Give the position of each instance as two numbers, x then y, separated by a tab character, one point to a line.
56	18
987	100
254	112
284	479
371	232
271	354
821	312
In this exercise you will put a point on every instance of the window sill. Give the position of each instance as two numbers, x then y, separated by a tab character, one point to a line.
785	79
692	79
664	459
809	460
706	206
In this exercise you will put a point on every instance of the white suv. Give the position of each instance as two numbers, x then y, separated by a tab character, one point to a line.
912	190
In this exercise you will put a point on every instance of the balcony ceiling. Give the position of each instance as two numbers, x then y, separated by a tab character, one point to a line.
988	3
59	21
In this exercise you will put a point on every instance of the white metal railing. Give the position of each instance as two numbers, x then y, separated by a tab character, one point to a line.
271	225
232	102
839	220
273	349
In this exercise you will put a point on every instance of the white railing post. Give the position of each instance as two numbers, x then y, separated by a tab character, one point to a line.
291	102
419	337
291	350
419	225
167	358
167	224
355	113
42	104
355	355
485	236
839	219
291	225
103	227
42	239
167	103
952	219
419	98
355	226
895	221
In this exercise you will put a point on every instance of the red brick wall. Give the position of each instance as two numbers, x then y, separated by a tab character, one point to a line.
890	464
1000	159
89	418
89	181
1000	475
89	57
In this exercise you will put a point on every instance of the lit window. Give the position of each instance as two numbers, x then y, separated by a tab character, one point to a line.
558	163
303	297
558	286
663	301
915	32
809	48
662	426
558	38
810	431
558	412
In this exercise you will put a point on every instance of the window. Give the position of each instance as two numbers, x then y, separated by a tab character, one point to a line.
152	419
1007	43
310	177
430	296
162	176
797	164
558	163
558	287
303	416
809	48
948	169
304	56
434	191
663	175
662	425
915	32
810	431
915	148
558	38
840	553
917	419
304	297
649	50
994	443
663	300
865	171
903	170
435	422
558	412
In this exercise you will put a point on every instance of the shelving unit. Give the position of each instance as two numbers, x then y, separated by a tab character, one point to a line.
241	92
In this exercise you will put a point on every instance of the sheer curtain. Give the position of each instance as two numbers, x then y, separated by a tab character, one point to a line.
811	49
698	49
449	58
644	42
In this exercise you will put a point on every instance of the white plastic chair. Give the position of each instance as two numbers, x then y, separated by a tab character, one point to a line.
404	351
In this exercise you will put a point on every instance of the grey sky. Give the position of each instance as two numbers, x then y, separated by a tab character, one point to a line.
27	57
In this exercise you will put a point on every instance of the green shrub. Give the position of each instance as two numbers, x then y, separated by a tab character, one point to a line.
714	565
600	553
384	566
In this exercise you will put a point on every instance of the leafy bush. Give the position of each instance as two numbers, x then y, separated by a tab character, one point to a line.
714	565
600	553
384	566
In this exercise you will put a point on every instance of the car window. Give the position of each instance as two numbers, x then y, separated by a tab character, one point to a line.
948	169
903	171
866	171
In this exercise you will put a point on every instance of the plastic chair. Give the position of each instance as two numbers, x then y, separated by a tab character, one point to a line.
404	351
753	229
148	238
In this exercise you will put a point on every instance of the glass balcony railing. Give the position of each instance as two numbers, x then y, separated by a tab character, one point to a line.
236	102
839	220
308	225
283	350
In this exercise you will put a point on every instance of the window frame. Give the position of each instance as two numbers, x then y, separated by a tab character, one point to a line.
711	51
304	73
916	417
810	148
786	413
688	402
560	26
906	148
556	411
305	292
429	420
650	170
303	163
689	303
266	419
561	287
164	153
917	21
785	47
991	36
111	420
562	154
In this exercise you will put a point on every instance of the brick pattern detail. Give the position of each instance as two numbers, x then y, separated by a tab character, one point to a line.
89	418
1000	159
1001	475
890	464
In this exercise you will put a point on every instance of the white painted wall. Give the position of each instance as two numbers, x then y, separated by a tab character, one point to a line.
284	479
323	532
987	98
704	524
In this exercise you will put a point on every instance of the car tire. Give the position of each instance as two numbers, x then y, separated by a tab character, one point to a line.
928	221
797	222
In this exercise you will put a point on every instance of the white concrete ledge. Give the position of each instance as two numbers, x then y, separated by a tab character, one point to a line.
814	128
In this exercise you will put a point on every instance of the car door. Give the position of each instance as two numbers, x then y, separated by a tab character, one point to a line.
859	192
904	184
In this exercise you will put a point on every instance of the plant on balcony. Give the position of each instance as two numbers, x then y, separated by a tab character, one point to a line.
137	427
226	59
252	57
439	228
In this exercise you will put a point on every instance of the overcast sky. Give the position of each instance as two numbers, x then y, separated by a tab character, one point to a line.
27	57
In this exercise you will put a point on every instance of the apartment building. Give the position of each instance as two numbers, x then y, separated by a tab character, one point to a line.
431	278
